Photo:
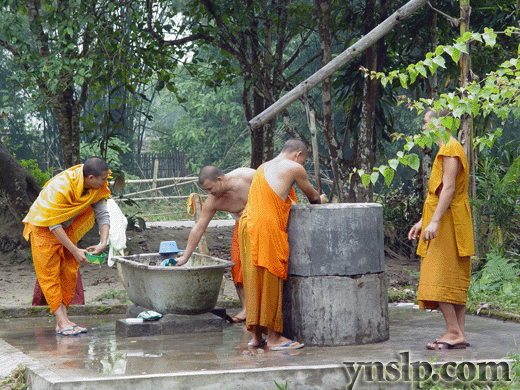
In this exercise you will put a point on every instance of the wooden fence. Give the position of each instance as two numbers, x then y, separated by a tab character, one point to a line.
171	164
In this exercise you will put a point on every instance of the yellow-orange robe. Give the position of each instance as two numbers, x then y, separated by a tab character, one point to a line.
236	270
264	251
445	260
61	199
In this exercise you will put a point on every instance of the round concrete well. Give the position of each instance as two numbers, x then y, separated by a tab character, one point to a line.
336	291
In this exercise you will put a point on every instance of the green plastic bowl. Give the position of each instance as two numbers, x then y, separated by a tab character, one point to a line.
96	259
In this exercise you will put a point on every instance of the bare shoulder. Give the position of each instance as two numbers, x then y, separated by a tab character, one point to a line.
210	204
243	172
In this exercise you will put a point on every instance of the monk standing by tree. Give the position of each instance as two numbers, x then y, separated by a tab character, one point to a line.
445	237
63	212
264	248
227	192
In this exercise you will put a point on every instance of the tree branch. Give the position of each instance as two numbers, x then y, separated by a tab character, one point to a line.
454	22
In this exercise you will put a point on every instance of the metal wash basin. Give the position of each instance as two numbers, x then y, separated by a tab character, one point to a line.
190	289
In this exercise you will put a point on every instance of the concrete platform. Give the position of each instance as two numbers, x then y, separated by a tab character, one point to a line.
222	360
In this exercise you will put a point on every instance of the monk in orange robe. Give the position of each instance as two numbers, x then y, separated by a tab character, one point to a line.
264	248
63	212
227	192
445	235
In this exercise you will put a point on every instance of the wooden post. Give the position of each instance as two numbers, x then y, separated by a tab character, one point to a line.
315	153
203	245
154	185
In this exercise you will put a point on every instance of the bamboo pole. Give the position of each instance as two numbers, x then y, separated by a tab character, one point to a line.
143	181
352	52
154	198
154	184
160	188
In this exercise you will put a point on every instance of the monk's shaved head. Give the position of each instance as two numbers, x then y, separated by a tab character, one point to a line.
294	145
95	166
209	172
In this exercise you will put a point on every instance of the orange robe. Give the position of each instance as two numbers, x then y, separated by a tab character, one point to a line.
236	270
445	260
61	199
264	251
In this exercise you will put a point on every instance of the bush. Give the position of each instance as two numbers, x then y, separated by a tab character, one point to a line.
497	210
401	209
40	176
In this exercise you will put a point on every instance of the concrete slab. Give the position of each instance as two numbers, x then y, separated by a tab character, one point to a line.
222	360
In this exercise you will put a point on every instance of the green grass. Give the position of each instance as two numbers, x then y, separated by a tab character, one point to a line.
15	381
120	295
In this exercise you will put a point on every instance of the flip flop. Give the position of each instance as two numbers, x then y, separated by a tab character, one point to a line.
444	345
287	346
261	345
62	333
237	320
79	331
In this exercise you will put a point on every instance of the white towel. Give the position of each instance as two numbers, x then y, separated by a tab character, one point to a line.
117	234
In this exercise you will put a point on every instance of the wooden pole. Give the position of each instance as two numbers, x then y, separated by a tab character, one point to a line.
203	245
315	153
154	184
352	52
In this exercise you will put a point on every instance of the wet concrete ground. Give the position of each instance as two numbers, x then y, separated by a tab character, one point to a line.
102	360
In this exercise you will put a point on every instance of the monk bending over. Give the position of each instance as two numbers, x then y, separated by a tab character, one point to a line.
227	192
264	248
63	212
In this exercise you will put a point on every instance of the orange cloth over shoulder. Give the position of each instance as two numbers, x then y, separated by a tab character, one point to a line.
267	216
459	205
61	199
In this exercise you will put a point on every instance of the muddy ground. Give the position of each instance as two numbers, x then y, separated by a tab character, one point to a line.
101	283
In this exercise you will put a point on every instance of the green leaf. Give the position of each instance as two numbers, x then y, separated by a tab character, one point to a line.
490	38
475	107
403	78
414	162
389	176
365	179
393	163
456	55
439	60
373	177
421	69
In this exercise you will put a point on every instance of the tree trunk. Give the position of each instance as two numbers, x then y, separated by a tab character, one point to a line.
323	8
466	121
67	119
343	58
17	186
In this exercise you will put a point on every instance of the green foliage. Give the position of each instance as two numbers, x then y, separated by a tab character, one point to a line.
496	203
120	295
284	386
15	381
34	170
208	127
402	208
113	154
497	94
496	285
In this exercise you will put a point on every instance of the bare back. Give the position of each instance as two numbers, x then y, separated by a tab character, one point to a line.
281	173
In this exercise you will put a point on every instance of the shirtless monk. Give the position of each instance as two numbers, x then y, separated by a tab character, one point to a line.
227	192
63	212
264	248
